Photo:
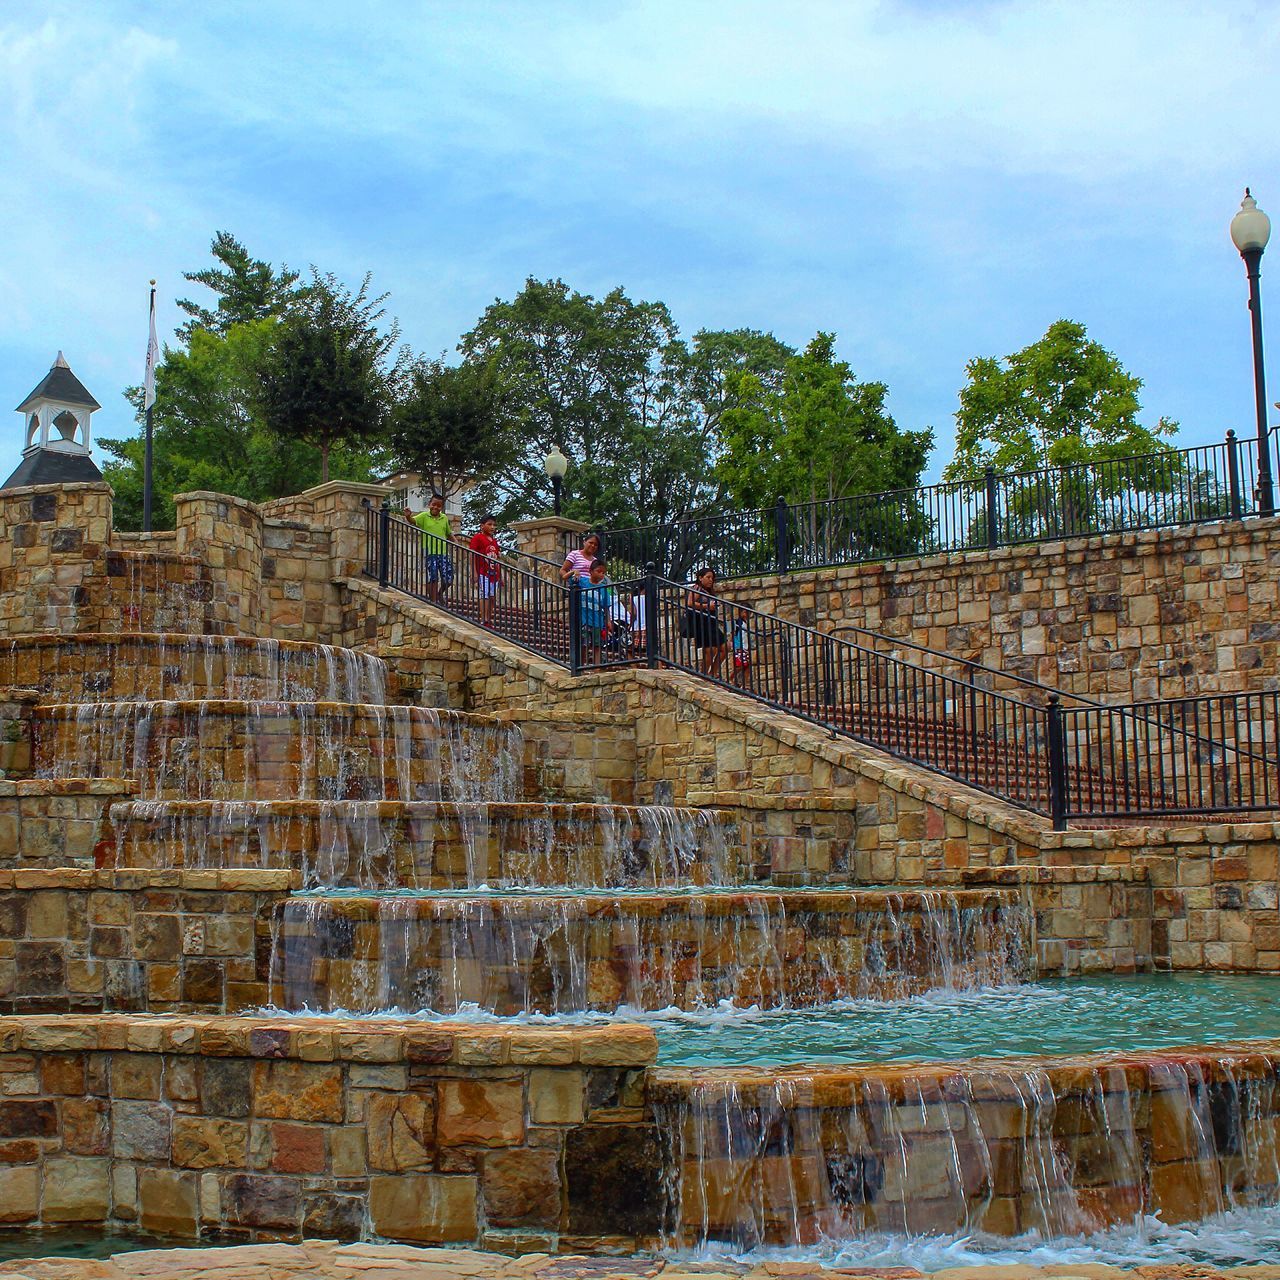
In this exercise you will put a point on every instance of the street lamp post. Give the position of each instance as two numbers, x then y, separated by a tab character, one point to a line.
555	464
1250	231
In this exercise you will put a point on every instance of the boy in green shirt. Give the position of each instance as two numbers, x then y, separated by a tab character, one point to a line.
437	534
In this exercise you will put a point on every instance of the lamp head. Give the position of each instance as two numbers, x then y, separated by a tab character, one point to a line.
555	464
1250	228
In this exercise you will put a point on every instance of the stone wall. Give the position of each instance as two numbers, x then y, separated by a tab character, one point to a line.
272	1129
57	823
1159	614
78	939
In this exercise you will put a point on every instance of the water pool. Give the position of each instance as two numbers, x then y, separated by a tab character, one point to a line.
1065	1016
87	1242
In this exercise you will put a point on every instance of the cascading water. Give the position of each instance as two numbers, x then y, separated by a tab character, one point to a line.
386	844
558	953
829	1157
248	751
175	667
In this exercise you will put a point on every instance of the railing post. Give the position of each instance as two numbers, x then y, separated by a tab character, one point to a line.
1057	765
1233	475
993	515
782	530
384	544
973	715
651	608
575	626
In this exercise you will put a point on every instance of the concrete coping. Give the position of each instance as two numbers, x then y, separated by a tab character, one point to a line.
128	879
24	787
328	1039
994	1078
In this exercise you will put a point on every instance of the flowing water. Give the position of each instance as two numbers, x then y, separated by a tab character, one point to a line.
250	751
565	953
148	667
380	844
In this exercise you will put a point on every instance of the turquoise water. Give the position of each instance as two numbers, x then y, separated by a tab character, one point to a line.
1076	1015
86	1242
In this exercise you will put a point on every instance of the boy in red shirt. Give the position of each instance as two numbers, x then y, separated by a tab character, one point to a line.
486	566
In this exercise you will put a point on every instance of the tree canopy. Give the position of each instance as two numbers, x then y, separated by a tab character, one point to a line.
246	288
452	424
612	384
1062	400
328	376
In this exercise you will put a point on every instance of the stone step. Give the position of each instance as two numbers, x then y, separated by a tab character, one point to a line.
223	749
577	953
436	845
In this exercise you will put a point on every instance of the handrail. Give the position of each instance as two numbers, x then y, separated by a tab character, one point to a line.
969	663
1135	709
1161	489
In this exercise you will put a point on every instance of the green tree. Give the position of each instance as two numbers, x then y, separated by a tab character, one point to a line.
819	435
452	423
1061	402
328	378
611	383
246	289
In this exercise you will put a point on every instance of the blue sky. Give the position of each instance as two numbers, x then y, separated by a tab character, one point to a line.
930	180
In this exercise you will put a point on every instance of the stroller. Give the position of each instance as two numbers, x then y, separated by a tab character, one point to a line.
621	638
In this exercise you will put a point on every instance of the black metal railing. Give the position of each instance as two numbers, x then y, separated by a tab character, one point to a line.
1077	759
1117	495
507	595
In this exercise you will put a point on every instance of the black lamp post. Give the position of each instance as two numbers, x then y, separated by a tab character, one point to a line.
1250	231
555	464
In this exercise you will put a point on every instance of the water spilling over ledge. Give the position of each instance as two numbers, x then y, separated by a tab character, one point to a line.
241	750
434	845
559	954
142	667
807	1157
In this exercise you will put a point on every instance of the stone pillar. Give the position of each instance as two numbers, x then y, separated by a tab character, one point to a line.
549	538
225	534
339	507
53	544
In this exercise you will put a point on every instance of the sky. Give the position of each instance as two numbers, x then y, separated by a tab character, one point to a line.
932	180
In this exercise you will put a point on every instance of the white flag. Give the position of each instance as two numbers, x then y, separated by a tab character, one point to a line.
153	354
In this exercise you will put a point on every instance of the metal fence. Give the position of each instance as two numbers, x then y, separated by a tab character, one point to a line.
1147	491
1063	756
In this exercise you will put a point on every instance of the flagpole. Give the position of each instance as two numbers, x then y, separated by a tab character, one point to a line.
149	399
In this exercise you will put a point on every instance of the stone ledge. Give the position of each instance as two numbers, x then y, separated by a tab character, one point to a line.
319	1039
22	787
326	1260
248	880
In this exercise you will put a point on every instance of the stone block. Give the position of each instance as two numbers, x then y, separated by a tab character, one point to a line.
297	1091
262	1200
400	1131
19	1194
521	1188
168	1201
428	1208
481	1112
75	1189
202	1143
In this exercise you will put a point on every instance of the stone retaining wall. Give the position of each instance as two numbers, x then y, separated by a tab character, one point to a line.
880	821
74	940
1159	614
276	1128
390	844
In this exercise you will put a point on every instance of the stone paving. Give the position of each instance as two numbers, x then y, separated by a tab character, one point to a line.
320	1260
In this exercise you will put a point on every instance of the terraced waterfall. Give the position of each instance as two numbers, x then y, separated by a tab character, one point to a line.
440	880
